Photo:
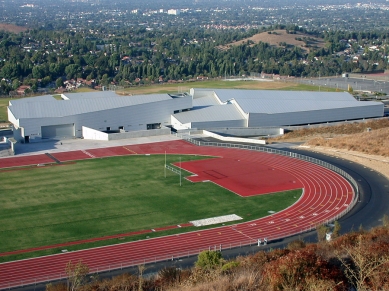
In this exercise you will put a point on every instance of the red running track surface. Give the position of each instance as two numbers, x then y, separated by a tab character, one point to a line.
25	161
326	195
71	156
108	152
243	177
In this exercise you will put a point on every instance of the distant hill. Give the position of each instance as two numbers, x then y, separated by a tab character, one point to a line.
280	38
12	28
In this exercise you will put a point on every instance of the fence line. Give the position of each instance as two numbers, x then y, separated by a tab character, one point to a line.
249	242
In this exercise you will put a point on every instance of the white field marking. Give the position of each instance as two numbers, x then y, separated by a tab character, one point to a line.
216	220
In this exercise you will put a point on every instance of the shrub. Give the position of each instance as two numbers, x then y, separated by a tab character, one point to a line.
209	260
296	245
295	270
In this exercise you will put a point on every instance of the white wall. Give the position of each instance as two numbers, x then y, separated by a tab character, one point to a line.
196	93
233	139
131	118
12	118
141	133
221	123
249	131
90	133
316	116
177	124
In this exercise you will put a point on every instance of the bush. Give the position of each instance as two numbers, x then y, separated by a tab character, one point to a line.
296	245
229	266
209	260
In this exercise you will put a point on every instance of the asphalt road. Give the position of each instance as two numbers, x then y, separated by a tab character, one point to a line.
368	213
374	193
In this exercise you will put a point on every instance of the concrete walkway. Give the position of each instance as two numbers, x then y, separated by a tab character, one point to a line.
53	146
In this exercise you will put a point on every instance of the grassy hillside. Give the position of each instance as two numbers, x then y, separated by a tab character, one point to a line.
349	136
276	37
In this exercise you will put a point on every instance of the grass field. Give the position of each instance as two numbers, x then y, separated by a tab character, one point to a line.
99	197
3	110
221	84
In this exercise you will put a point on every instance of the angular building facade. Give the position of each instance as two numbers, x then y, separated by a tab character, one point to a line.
46	117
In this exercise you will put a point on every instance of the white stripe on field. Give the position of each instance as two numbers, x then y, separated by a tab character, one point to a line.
216	220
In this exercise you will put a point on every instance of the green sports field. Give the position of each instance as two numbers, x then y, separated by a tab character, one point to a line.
99	197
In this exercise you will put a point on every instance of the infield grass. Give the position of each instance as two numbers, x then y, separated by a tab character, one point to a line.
100	197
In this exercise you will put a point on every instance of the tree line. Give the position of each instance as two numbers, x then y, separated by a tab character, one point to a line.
41	57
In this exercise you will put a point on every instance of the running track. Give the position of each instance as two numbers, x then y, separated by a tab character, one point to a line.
326	195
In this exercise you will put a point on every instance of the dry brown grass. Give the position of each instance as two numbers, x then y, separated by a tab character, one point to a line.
212	84
348	136
276	37
12	28
242	279
333	131
375	142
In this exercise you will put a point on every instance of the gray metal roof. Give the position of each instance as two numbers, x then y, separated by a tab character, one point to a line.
211	113
38	107
277	106
269	102
87	95
32	99
209	100
225	94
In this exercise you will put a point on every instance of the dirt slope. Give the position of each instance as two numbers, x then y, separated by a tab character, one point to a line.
278	36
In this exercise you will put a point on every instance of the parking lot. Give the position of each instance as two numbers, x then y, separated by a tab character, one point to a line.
363	84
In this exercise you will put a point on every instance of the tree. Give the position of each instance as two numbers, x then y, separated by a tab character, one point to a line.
336	230
385	220
72	71
59	82
15	84
321	232
76	274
